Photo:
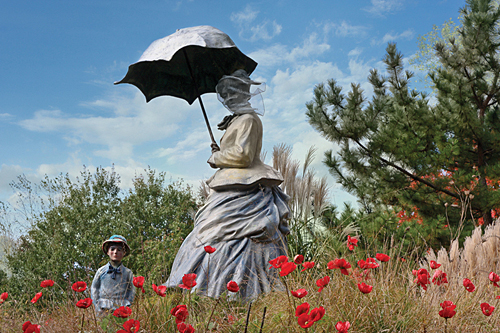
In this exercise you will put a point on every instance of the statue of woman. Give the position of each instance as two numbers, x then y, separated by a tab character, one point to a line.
244	217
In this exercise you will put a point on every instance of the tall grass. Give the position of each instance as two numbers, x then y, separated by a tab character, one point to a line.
396	303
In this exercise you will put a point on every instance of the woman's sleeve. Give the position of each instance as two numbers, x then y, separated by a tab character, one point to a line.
243	137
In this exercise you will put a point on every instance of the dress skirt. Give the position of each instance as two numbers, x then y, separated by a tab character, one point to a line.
247	228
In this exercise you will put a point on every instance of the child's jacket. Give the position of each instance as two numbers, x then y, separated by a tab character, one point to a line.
112	288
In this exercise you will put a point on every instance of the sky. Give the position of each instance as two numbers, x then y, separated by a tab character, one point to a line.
59	109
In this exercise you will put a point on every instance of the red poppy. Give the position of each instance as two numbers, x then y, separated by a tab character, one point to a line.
434	264
181	314
322	283
277	262
287	268
317	313
233	287
298	259
122	312
188	281
342	327
368	264
84	303
28	327
351	242
469	286
423	278
138	282
181	327
448	310
3	297
439	277
47	283
305	321
494	278
339	263
131	326
160	290
307	265
175	309
302	308
365	288
382	257
487	309
299	293
414	272
37	297
79	286
209	249
184	328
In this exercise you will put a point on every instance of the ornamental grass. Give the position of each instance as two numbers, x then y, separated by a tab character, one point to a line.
381	292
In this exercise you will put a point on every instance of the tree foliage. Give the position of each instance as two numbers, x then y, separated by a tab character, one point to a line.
63	242
437	161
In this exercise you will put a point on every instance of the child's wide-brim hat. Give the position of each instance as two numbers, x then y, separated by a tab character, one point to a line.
116	239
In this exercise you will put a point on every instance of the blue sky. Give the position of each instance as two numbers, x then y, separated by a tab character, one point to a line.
59	109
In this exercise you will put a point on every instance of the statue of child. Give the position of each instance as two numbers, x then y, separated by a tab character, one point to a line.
112	286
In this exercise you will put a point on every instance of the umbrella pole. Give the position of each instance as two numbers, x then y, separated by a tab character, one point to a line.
199	98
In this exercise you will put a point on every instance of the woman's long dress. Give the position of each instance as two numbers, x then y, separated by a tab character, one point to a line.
244	219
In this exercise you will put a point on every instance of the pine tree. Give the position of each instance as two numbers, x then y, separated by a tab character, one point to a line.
437	159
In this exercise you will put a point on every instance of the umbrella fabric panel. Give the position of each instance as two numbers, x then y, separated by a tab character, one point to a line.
160	77
204	35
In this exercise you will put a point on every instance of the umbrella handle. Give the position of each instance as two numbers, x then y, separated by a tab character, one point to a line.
199	97
206	119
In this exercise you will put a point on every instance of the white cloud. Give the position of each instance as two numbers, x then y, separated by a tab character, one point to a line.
391	36
8	174
252	31
185	150
266	30
279	54
246	16
6	116
131	123
380	7
355	52
344	29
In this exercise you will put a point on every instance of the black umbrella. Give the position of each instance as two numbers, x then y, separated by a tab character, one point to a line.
187	64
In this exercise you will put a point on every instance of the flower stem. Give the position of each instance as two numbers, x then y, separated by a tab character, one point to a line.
263	317
83	320
248	316
288	295
211	314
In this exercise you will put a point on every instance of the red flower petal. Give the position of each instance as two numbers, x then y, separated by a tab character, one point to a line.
84	303
487	309
46	283
298	259
299	293
209	249
382	257
122	312
233	286
365	288
287	268
79	286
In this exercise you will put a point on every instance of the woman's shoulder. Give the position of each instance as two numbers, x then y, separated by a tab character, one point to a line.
246	119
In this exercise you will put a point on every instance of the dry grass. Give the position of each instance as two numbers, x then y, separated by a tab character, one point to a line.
395	304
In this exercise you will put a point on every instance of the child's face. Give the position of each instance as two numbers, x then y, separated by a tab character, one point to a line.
115	252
